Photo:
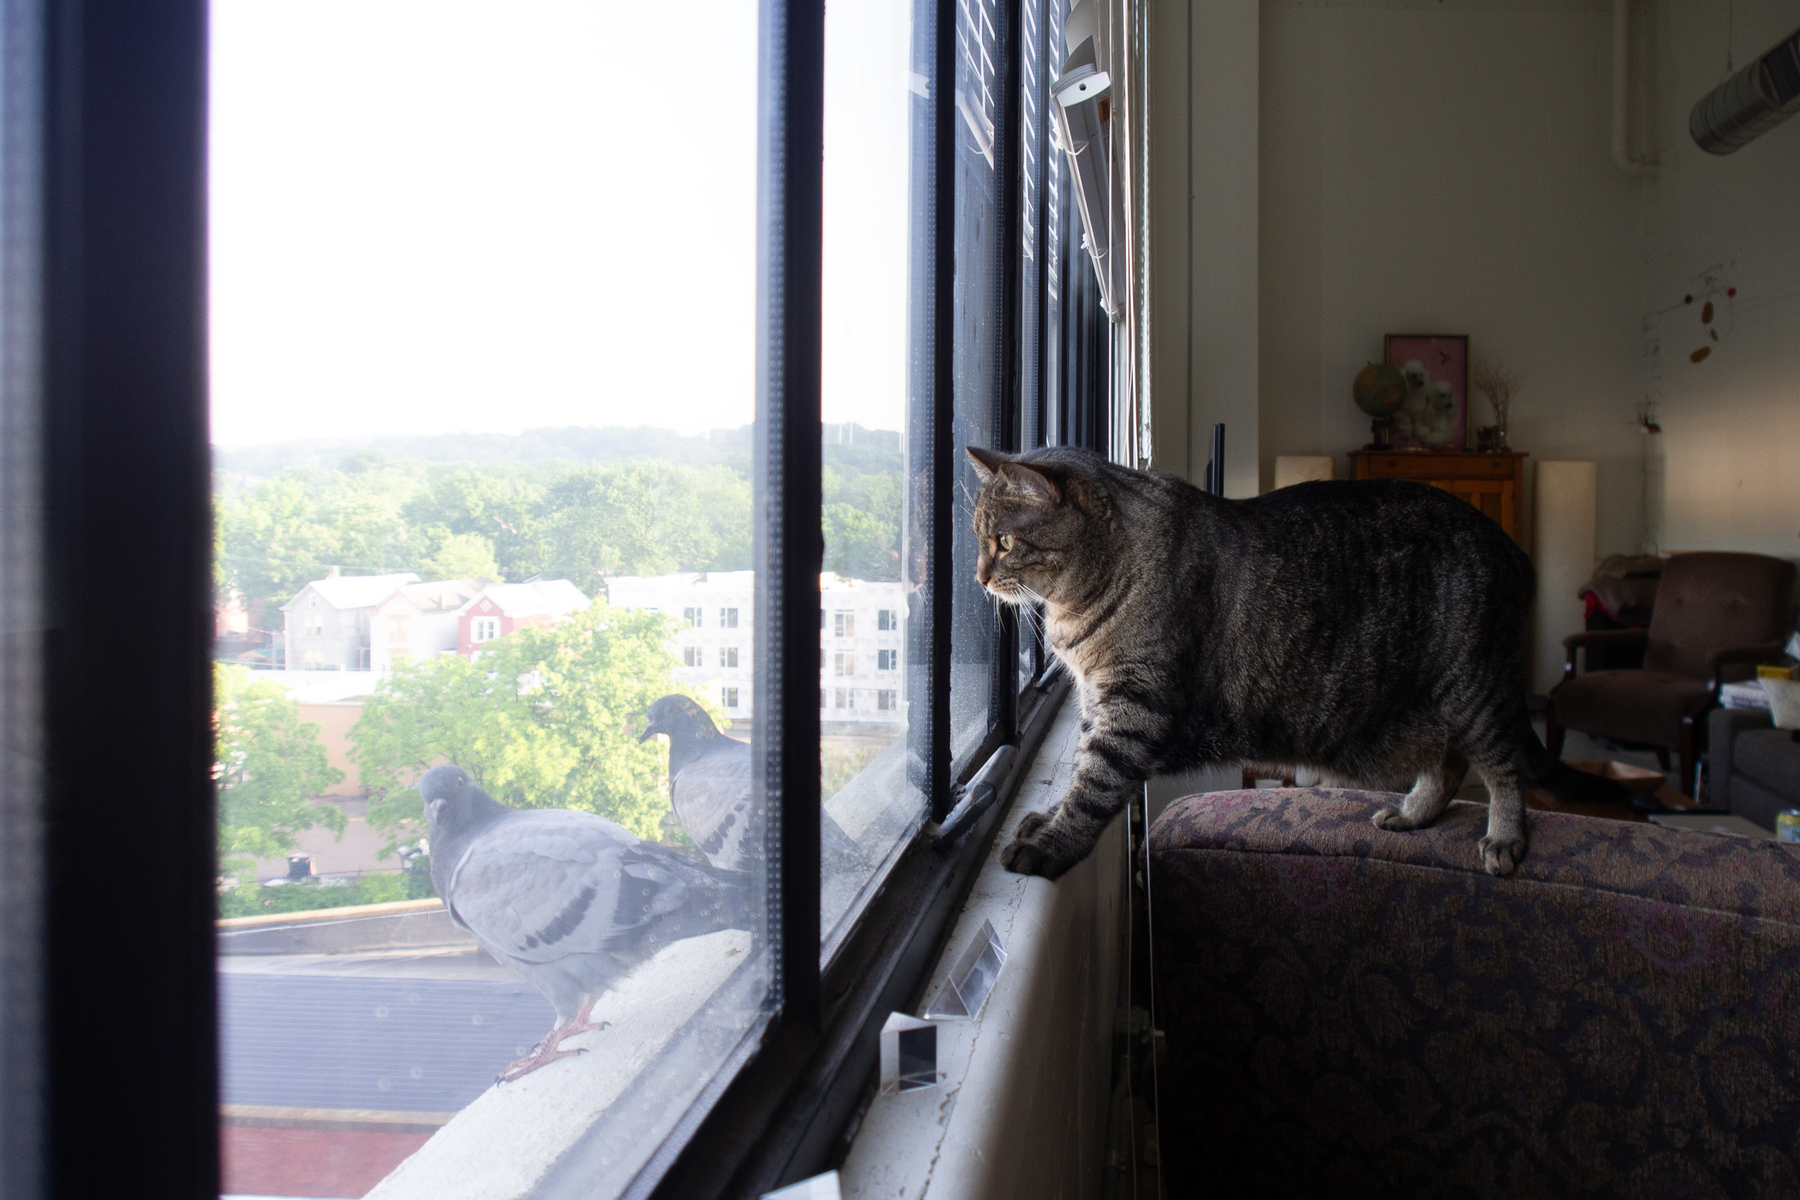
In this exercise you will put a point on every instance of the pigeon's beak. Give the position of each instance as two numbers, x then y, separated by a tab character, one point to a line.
650	731
433	808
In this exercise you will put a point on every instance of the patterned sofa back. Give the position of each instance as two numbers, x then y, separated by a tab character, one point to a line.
1352	1012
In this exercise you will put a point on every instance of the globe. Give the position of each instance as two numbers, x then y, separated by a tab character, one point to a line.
1379	390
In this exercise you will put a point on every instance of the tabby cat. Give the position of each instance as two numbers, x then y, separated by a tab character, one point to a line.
1373	631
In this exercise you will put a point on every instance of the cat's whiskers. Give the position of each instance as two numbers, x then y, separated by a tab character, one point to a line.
1049	602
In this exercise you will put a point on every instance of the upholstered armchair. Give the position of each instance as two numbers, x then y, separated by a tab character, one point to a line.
1716	616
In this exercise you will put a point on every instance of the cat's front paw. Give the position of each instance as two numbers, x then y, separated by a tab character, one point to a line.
1502	855
1030	852
1394	820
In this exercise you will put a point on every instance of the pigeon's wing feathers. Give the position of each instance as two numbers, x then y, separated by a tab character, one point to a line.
715	799
542	885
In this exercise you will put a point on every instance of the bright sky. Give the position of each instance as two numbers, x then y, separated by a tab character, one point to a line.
434	216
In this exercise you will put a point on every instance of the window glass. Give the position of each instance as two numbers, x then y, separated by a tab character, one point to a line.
872	803
523	390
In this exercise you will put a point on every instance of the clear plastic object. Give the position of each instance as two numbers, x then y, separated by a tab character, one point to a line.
819	1187
971	979
908	1055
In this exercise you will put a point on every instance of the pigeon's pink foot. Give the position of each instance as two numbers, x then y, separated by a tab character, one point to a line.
549	1050
581	1024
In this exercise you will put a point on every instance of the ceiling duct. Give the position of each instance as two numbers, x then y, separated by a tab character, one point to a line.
1750	103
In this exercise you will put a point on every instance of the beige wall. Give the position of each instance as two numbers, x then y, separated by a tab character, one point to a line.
334	721
1339	169
1446	168
1203	69
1731	440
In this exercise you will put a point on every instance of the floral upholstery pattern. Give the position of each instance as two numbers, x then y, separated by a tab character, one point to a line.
1353	1012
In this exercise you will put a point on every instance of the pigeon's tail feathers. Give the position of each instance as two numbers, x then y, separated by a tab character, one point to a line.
838	851
666	897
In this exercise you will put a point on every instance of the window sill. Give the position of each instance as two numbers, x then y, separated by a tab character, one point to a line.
1039	1057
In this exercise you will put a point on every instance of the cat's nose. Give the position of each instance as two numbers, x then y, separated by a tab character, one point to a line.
983	573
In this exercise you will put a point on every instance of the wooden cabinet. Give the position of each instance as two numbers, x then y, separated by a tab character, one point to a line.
1494	483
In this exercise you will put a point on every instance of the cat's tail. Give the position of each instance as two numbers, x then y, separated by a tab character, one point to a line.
1551	774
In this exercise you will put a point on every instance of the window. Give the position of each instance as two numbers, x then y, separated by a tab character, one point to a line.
452	193
887	660
843	663
315	624
887	620
887	700
843	624
333	297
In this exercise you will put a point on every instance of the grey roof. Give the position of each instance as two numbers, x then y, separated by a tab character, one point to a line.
354	591
552	596
444	595
413	1045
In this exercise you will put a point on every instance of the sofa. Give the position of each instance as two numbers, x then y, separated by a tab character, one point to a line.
1752	768
1352	1012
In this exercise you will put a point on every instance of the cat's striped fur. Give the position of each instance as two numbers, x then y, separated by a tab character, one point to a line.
1373	631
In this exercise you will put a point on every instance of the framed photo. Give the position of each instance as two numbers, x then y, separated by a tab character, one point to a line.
1435	413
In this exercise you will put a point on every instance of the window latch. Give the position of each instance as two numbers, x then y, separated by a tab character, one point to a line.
975	797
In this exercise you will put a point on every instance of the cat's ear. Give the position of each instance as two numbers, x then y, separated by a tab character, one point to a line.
988	463
1033	482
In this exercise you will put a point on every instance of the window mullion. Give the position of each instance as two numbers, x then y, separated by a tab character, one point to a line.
788	447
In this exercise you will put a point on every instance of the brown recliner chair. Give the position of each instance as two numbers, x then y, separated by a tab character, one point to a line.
1716	616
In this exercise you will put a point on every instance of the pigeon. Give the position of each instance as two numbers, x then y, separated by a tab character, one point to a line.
714	795
567	899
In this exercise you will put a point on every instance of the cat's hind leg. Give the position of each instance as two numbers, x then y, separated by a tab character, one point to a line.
1503	847
1429	796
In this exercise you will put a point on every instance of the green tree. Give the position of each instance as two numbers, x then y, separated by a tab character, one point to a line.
463	556
862	522
643	518
859	544
268	765
274	542
546	717
505	511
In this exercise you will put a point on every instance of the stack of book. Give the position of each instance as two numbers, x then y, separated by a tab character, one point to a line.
1743	695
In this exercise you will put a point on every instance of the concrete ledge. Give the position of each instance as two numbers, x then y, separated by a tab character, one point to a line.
404	924
271	1116
266	920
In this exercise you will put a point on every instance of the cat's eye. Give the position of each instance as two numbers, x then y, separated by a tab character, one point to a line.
1006	541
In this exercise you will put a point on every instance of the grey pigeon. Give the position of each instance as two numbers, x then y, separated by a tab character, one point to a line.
713	793
567	899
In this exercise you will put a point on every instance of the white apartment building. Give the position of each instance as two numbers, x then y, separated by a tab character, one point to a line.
862	639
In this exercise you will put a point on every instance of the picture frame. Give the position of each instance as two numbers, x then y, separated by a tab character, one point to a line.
1435	413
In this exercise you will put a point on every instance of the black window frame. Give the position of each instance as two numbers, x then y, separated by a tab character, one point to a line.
108	1038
